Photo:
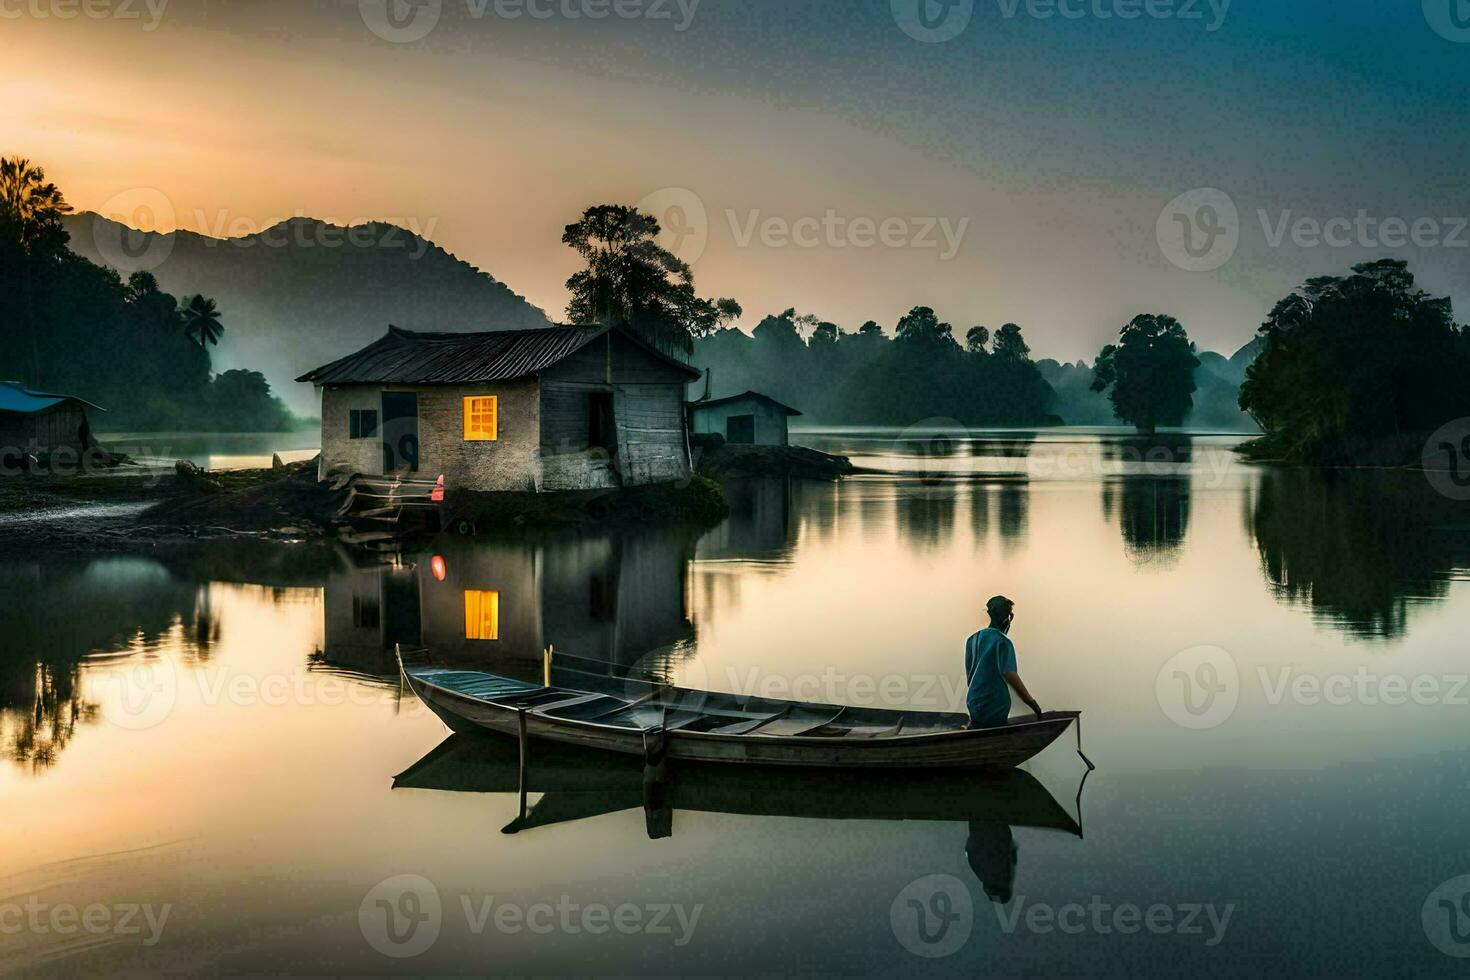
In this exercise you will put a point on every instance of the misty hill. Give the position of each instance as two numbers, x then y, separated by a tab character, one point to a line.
1216	398
304	292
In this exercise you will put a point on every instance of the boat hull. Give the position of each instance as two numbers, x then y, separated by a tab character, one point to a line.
1002	747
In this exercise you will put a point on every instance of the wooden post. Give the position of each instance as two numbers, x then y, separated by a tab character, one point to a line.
546	656
521	718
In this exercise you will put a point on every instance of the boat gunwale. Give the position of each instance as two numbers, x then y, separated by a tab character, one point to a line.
1048	720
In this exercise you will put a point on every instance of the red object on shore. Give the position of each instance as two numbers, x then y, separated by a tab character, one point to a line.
438	495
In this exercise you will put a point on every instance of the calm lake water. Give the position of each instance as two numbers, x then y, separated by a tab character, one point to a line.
1271	664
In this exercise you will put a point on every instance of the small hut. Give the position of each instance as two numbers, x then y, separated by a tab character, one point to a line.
42	424
749	419
559	408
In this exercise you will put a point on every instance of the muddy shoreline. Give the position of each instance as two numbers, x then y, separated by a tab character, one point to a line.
138	510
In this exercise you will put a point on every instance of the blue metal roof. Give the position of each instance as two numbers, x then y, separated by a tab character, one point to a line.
16	397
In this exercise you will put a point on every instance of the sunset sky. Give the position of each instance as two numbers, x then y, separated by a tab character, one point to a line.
1053	143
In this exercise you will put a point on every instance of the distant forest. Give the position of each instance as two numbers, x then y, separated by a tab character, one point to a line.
924	373
72	326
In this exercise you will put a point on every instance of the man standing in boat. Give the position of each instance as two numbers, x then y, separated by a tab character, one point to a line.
990	669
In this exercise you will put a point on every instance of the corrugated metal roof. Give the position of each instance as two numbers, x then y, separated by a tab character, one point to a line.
749	395
16	397
407	357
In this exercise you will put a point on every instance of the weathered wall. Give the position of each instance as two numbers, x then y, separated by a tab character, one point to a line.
338	451
42	432
512	462
770	422
648	409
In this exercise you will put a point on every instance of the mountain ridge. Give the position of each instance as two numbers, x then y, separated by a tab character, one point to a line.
304	291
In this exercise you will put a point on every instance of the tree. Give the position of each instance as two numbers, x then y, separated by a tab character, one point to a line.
241	401
1150	371
1356	367
1009	345
31	209
631	281
870	329
922	327
201	320
976	338
32	245
825	336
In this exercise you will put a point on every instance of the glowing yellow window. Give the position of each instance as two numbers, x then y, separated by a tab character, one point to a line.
481	615
482	418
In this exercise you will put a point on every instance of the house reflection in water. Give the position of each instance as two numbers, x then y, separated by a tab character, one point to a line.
606	602
759	526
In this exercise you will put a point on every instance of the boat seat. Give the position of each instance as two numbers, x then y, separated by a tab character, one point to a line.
569	699
724	725
795	722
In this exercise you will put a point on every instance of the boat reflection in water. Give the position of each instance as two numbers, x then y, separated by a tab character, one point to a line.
578	784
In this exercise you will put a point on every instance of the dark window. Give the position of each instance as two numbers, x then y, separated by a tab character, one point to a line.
602	432
362	423
740	429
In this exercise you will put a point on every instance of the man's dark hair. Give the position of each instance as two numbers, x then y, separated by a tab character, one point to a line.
999	609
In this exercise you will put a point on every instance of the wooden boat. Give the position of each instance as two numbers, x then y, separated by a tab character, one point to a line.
578	784
644	719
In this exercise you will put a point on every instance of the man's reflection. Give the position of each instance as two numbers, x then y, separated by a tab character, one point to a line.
991	851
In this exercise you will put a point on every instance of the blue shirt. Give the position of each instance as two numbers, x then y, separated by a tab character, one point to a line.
988	655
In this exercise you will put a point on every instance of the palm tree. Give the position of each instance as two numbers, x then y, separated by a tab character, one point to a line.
30	230
30	208
201	320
